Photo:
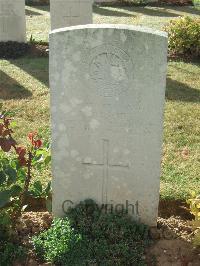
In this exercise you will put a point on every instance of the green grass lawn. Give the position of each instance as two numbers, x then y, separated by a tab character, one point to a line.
24	88
38	18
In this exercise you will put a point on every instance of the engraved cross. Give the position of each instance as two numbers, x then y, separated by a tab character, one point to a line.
71	15
106	165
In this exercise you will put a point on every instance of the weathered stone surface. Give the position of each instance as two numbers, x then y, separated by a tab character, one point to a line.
12	21
107	95
70	12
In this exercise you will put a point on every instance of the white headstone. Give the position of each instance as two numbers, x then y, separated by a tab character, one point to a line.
107	96
12	20
66	13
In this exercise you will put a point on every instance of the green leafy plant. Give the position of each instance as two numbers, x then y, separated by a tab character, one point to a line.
113	238
10	252
32	40
16	169
58	242
184	36
88	236
37	190
194	203
196	4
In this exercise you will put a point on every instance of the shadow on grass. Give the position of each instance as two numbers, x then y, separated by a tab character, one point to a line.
187	9
42	8
11	89
155	12
103	11
32	13
36	67
177	91
121	11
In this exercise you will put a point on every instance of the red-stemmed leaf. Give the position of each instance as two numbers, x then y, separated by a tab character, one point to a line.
6	133
21	151
5	145
22	161
1	129
37	144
